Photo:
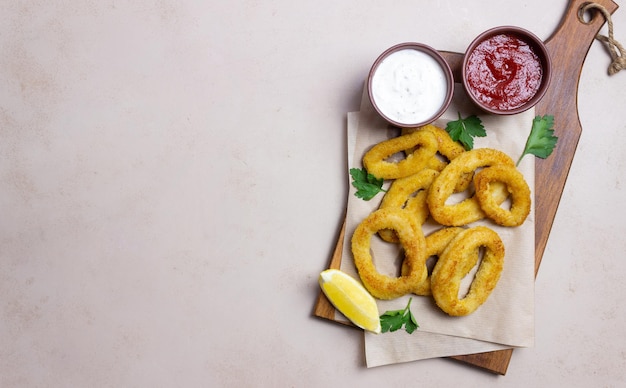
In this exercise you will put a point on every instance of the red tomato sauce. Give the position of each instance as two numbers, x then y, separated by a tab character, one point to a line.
503	72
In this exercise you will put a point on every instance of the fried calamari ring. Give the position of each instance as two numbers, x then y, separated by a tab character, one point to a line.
456	261
412	240
376	164
445	145
408	193
450	149
447	148
436	242
516	185
468	210
434	163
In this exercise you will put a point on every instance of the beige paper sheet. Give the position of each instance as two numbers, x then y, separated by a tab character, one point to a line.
507	318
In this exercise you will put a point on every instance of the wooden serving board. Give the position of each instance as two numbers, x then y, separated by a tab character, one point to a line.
568	46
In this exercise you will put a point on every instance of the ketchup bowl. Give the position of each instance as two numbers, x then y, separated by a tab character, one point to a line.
506	70
410	85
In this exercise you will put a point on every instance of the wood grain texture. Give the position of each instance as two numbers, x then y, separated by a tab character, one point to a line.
568	46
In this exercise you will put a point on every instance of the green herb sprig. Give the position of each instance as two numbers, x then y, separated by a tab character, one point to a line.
394	320
464	130
541	141
366	184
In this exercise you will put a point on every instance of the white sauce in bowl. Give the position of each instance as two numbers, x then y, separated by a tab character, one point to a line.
409	86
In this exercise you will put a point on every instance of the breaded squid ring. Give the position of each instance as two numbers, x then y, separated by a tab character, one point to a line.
376	164
408	193
445	145
455	263
468	210
436	242
448	148
517	187
412	240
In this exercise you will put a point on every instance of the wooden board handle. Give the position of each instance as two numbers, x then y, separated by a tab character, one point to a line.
568	47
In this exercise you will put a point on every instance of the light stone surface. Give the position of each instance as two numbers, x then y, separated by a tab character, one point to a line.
173	178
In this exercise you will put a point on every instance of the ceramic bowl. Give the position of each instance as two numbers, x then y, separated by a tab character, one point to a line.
486	69
410	85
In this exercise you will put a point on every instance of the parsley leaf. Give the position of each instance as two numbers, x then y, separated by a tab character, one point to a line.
393	320
541	141
464	130
367	185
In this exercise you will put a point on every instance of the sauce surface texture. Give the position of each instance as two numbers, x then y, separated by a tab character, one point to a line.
409	86
503	72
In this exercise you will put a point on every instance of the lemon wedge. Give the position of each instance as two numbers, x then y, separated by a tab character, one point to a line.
351	299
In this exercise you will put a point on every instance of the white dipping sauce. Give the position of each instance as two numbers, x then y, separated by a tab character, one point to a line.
409	86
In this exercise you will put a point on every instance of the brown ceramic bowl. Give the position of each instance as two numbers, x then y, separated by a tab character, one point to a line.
532	79
410	85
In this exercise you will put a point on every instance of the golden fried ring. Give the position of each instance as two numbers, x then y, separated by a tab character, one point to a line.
448	148
436	242
455	263
517	187
468	210
409	193
412	240
445	145
376	164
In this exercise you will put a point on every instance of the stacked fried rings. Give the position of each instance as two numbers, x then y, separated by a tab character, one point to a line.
468	210
435	169
436	243
409	193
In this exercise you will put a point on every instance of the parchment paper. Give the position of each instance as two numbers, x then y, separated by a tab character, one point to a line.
506	319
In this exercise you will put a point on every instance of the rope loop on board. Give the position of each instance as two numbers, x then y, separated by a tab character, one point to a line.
616	50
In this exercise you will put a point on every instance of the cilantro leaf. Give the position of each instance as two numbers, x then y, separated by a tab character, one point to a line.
541	141
464	130
393	320
411	325
367	185
391	323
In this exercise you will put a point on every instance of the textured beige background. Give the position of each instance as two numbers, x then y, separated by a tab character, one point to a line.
172	182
